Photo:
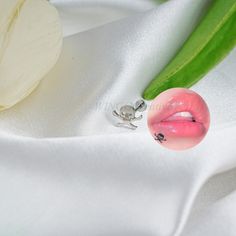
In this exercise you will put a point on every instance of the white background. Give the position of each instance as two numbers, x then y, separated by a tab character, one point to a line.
66	170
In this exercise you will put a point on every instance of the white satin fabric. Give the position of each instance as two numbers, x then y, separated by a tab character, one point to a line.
66	170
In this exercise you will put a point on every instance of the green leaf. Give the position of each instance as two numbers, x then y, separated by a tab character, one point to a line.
211	41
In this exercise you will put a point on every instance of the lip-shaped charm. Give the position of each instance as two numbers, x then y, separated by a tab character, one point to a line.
178	119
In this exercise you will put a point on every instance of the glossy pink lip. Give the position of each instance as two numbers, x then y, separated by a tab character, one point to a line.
181	115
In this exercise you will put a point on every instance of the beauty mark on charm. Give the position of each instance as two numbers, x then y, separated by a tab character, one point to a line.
160	137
